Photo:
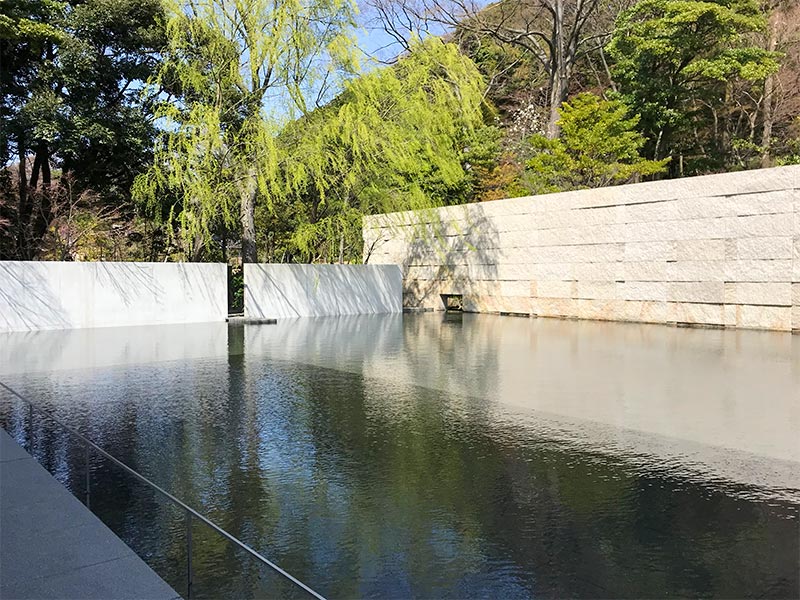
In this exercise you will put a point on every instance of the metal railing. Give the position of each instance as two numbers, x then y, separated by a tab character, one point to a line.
188	510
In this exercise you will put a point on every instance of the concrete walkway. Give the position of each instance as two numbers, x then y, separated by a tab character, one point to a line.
52	546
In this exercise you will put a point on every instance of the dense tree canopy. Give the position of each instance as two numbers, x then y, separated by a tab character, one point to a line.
599	146
240	69
678	63
397	138
168	129
71	102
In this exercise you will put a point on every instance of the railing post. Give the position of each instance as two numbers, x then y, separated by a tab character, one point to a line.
88	478
188	555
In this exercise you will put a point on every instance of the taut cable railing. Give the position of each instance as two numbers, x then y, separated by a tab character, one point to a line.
190	513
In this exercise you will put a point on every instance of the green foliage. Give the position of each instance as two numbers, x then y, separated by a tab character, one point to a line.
29	29
71	107
676	60
599	146
791	153
504	179
241	69
251	111
398	138
69	79
235	289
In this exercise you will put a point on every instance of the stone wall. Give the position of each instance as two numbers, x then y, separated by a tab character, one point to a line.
276	291
67	295
717	250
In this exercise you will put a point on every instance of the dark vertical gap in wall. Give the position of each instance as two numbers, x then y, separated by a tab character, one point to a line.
235	289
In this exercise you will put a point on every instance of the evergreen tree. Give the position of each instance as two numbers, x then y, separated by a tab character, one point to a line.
676	64
599	146
71	78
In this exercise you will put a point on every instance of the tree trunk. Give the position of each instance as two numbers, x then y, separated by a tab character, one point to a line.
725	127
608	70
657	149
44	214
46	175
559	77
768	118
197	248
23	207
553	130
247	213
33	182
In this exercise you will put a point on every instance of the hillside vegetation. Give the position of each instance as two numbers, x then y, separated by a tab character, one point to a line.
213	130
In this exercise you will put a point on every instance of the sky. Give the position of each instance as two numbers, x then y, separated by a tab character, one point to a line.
375	42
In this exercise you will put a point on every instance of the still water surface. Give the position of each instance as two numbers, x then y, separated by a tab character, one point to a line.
431	456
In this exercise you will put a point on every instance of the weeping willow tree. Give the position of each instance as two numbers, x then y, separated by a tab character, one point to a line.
399	138
234	72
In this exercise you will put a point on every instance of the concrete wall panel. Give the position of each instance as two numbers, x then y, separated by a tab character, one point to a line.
274	291
68	295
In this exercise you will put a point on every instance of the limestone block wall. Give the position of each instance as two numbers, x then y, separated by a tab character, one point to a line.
717	250
67	295
278	291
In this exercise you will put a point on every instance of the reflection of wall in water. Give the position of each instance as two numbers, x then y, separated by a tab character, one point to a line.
33	351
701	393
379	451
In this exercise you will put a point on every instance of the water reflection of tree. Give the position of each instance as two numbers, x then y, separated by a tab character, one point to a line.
578	521
363	486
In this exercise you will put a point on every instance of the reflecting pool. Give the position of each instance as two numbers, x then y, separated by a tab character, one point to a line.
435	456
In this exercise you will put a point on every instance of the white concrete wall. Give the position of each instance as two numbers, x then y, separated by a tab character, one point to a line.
721	250
67	295
275	291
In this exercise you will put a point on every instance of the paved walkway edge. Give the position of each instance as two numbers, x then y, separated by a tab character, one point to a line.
52	546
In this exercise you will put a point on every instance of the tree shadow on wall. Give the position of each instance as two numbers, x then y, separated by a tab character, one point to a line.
138	284
281	291
28	299
453	250
130	282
